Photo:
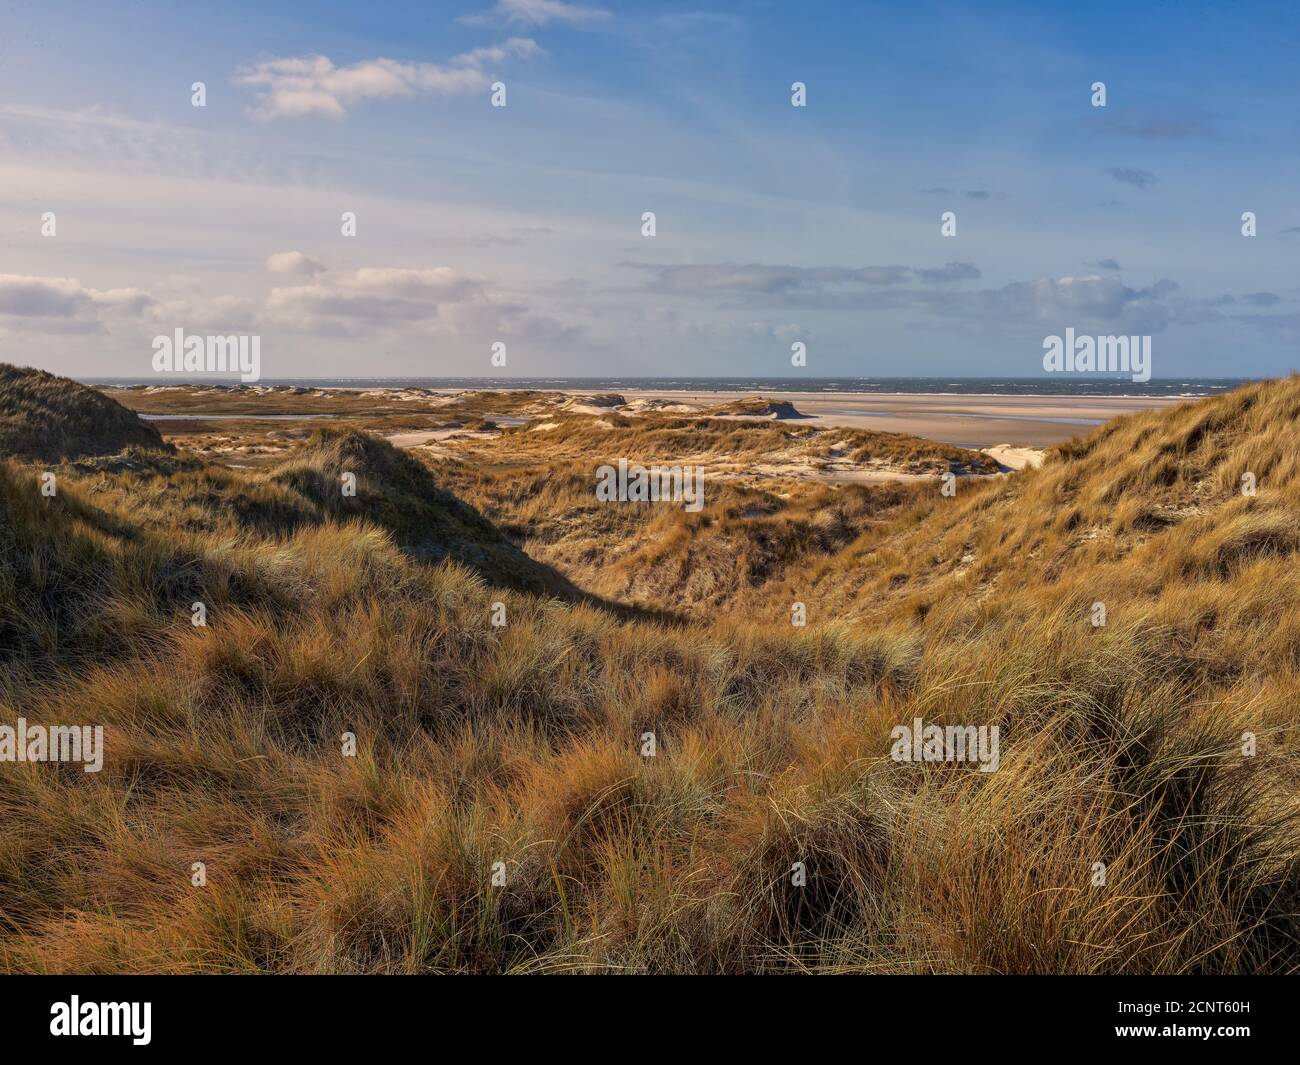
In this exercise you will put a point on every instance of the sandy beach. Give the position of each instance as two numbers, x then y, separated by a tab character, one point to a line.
964	420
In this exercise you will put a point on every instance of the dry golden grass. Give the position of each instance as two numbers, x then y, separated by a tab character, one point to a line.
520	745
44	417
750	532
652	438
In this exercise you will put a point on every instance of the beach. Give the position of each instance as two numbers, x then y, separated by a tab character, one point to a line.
973	421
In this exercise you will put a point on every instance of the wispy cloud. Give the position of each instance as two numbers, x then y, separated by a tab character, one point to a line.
970	194
1015	307
1261	299
537	13
292	87
1140	179
949	273
1153	127
758	285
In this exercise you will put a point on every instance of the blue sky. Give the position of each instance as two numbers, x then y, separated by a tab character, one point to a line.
775	224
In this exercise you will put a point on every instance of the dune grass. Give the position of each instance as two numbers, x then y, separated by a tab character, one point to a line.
517	750
651	438
51	418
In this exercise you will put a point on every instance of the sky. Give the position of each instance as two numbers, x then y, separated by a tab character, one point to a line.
522	224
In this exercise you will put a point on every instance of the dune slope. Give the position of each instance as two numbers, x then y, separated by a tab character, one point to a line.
51	418
504	810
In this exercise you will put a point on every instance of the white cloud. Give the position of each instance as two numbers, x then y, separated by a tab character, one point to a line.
66	298
291	87
294	262
537	13
1091	300
391	300
370	298
406	306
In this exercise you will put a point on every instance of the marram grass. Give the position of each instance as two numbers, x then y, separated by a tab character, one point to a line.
514	753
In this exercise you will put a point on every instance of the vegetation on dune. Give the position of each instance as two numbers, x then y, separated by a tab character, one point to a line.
722	557
649	436
757	407
283	400
661	438
1144	505
49	418
1122	744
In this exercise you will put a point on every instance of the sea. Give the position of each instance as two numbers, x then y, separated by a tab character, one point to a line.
884	386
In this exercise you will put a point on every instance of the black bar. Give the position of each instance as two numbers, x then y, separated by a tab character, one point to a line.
338	1014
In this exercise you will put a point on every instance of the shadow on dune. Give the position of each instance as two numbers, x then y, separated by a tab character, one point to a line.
397	492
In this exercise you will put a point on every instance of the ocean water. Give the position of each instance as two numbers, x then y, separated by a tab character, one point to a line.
1060	385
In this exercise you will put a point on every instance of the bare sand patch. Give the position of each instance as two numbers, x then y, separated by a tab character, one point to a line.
1016	458
659	406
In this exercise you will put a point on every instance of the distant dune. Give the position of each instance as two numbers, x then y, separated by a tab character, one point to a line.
757	407
601	403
